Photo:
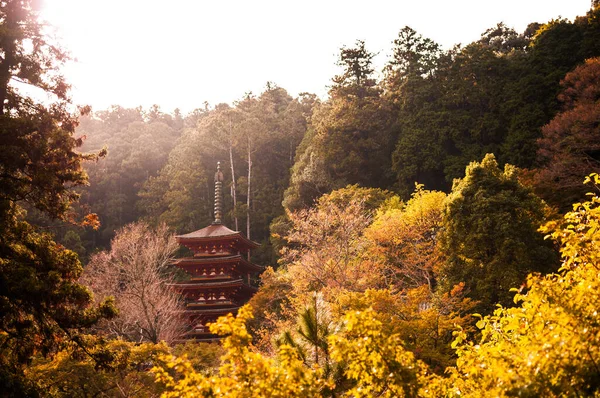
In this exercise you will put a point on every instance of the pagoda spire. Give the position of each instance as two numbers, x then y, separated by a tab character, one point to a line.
218	195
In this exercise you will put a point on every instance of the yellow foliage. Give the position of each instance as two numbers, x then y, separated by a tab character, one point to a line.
244	373
405	239
73	373
375	361
425	321
550	345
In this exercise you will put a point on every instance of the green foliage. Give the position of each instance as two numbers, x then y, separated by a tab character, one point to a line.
42	305
38	157
490	235
347	142
265	130
357	77
313	329
491	96
137	143
414	56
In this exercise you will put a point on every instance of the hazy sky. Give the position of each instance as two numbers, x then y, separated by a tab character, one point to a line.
180	53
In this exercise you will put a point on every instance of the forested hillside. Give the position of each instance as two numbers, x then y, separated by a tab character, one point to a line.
432	113
435	111
426	233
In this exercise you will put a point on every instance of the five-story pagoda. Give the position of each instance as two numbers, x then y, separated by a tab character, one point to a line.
221	278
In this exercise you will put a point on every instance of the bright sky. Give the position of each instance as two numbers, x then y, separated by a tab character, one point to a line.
180	53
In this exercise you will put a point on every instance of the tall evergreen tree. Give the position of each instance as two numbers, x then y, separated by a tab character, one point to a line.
41	303
348	141
490	234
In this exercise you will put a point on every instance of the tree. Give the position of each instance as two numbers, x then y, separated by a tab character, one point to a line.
224	126
272	305
413	92
376	361
137	143
405	238
414	56
136	273
311	334
490	96
490	234
326	247
253	131
570	146
424	320
347	141
308	180
357	78
546	346
39	160
42	305
267	128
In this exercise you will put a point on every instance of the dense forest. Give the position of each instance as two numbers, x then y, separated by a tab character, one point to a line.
429	233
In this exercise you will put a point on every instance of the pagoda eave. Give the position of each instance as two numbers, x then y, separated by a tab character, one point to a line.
243	242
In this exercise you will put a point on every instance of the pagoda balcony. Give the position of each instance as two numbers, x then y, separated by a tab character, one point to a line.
237	284
209	278
210	303
210	314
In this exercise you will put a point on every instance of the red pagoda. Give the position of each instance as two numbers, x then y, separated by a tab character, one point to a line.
221	279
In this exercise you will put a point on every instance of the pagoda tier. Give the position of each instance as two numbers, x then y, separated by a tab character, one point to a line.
215	294
213	268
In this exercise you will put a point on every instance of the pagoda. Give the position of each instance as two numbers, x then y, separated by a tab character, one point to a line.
222	278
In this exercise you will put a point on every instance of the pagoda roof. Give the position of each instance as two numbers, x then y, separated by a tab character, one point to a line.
215	231
217	260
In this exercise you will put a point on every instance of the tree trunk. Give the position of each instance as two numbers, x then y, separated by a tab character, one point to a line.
249	187
8	46
233	185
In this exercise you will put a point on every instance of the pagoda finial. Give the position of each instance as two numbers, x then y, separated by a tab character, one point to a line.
218	186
